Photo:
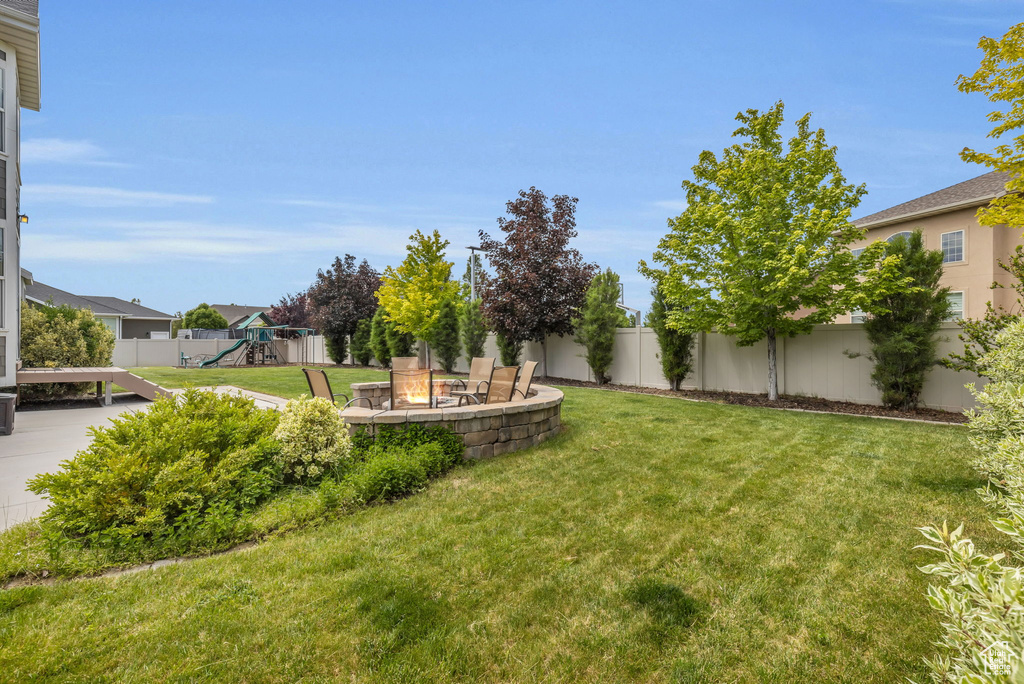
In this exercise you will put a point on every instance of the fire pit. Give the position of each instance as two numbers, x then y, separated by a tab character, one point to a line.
486	429
412	389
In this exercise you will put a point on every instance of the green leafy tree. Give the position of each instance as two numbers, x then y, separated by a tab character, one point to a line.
1000	77
361	351
474	330
762	249
62	337
379	339
399	343
412	294
204	317
446	335
676	346
903	337
509	350
597	324
483	279
342	296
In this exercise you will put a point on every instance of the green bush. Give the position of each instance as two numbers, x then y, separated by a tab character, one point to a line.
676	347
361	350
60	336
313	439
508	350
474	330
446	342
389	474
982	599
413	436
188	466
598	322
903	335
379	338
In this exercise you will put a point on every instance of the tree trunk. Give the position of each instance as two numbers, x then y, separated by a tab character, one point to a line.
773	370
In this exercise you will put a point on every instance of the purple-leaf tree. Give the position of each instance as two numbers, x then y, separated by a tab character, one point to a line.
292	310
539	282
340	298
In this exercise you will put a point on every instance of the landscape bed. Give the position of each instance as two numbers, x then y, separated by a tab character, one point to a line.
653	540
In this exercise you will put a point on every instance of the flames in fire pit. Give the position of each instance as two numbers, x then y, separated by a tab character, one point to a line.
411	388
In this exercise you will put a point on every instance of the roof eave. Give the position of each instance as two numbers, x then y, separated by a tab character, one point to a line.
976	202
22	31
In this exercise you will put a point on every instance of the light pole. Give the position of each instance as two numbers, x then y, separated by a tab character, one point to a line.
472	272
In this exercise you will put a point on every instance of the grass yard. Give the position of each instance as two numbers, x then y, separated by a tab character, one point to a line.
656	540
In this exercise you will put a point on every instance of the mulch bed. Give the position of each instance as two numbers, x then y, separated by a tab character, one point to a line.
784	402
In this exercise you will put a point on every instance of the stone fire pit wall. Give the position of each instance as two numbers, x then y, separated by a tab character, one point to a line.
486	430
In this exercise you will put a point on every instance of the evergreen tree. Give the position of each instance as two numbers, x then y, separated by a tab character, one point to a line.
597	324
379	339
676	346
399	343
361	351
474	330
446	335
509	350
903	337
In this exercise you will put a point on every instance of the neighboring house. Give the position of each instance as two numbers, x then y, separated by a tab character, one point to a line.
237	314
970	251
19	87
127	320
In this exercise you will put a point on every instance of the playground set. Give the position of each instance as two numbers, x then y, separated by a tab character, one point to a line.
258	344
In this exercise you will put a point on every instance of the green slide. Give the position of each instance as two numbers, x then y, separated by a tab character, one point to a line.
213	361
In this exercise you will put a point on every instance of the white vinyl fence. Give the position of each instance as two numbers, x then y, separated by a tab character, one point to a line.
810	365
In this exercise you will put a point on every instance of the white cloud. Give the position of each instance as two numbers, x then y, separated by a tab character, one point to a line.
61	151
90	196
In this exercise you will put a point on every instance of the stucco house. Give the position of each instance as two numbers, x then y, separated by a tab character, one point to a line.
19	87
127	320
970	251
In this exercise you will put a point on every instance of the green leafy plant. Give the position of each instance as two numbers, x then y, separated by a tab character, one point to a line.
903	335
599	319
314	439
509	350
204	317
414	435
446	341
361	350
61	336
676	346
766	235
474	330
379	338
388	474
982	599
189	465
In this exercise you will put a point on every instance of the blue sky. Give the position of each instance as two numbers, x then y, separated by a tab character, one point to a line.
224	151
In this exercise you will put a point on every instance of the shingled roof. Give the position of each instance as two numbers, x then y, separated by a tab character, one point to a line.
970	193
101	306
29	7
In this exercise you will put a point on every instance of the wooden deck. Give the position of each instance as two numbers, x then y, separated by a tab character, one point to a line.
101	376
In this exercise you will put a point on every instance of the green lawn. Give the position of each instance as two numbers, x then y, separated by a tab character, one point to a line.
656	540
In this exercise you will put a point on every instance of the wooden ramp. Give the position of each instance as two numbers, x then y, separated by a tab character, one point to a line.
101	376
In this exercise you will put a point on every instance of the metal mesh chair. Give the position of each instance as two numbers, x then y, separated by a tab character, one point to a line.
479	378
522	389
500	387
320	386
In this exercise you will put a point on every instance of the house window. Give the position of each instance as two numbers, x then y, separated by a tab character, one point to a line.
902	234
3	113
857	252
956	306
857	316
953	247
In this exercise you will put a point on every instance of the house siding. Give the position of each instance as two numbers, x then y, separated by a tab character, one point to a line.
10	287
